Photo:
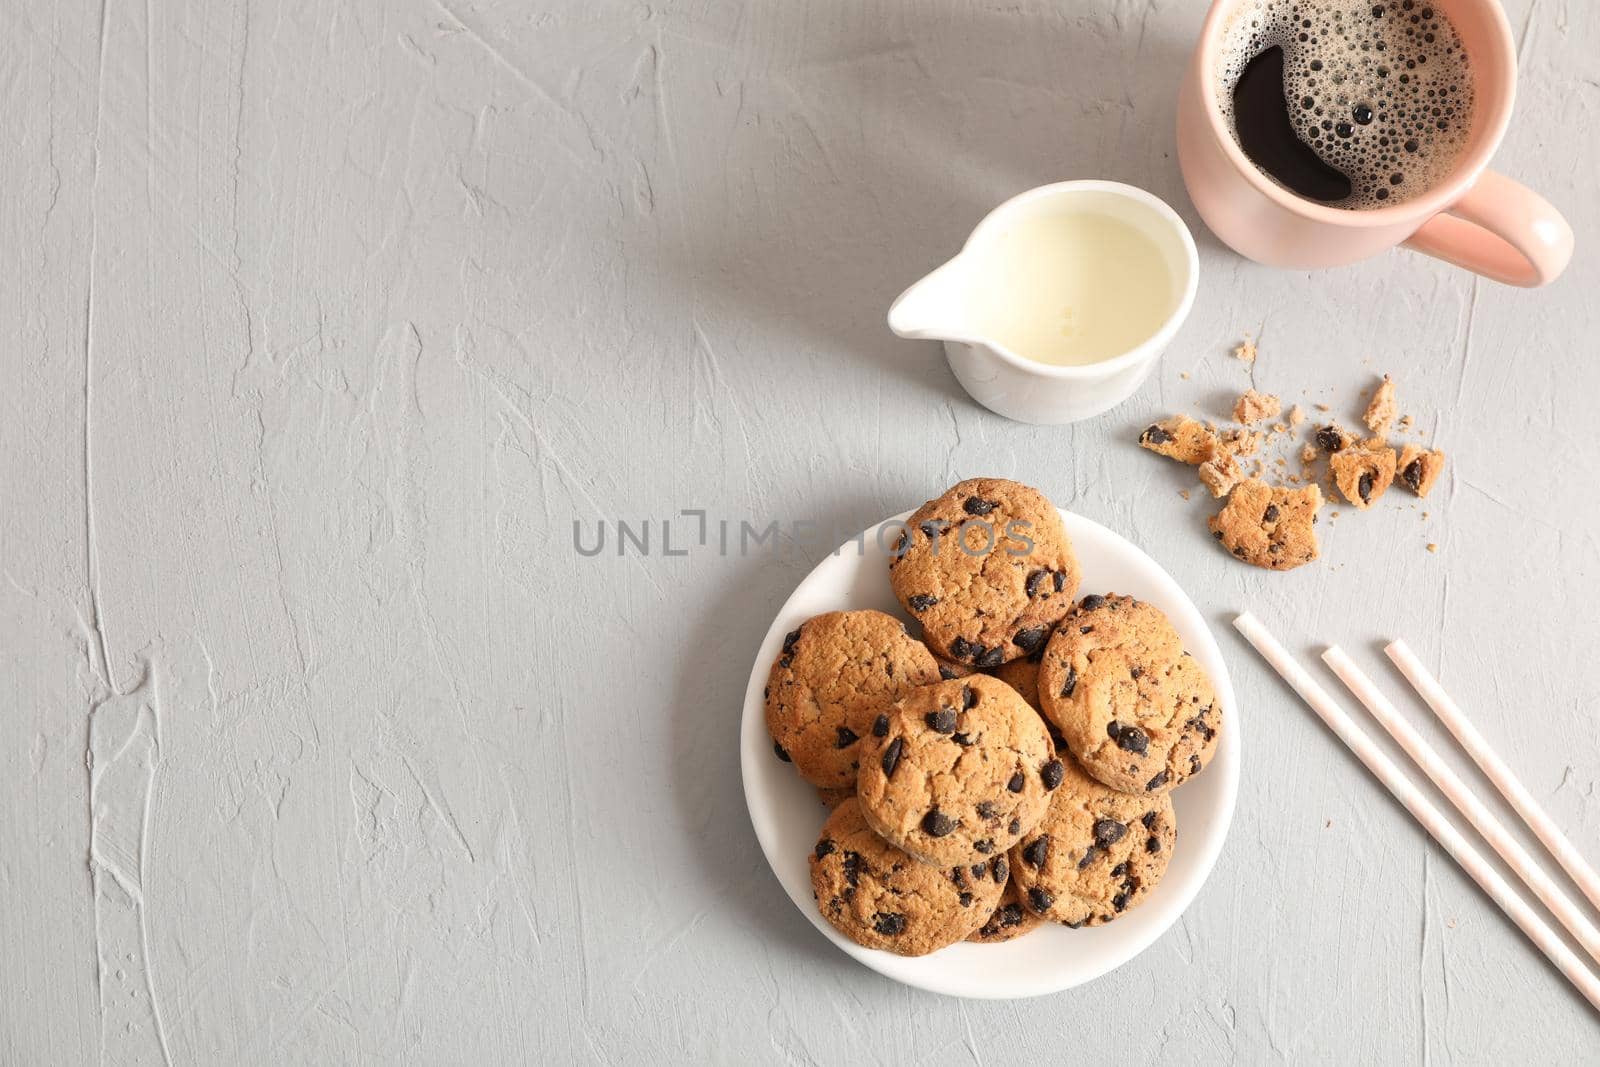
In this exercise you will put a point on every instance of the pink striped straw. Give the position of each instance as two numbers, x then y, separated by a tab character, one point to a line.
1495	769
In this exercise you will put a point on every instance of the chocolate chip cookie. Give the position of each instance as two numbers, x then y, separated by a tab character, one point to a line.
957	772
833	675
877	896
987	568
1137	712
1097	853
1269	526
1011	919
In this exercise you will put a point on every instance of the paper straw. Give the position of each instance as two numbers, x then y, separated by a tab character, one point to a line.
1466	802
1495	769
1432	820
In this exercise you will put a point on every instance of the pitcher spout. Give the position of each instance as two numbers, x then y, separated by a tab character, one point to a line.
934	308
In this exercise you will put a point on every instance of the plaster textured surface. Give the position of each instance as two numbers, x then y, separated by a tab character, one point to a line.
324	322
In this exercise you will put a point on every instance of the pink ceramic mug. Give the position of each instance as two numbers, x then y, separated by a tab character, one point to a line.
1474	218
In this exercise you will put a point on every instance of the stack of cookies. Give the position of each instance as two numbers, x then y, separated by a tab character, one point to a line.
1011	767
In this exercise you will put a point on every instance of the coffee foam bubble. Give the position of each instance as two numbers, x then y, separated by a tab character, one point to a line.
1380	91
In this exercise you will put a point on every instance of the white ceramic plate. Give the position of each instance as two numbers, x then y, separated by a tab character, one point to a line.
787	815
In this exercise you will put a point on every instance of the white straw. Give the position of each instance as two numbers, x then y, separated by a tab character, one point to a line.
1495	769
1458	848
1457	792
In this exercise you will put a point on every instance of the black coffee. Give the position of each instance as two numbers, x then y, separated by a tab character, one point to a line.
1350	103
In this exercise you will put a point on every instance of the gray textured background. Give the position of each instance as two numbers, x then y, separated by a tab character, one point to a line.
322	323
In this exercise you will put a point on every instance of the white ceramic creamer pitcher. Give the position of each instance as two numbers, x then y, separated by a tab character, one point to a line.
1060	302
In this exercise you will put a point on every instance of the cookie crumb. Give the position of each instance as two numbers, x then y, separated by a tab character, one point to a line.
1432	547
1382	410
1255	407
1184	493
1296	415
1246	352
1320	407
1220	474
1309	454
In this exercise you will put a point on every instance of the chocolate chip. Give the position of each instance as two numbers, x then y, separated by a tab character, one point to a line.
1120	869
777	750
992	658
946	673
1088	857
937	824
852	868
1157	782
1412	475
1036	851
1091	602
880	726
930	530
1155	435
986	809
844	737
899	549
1086	629
961	648
1108	832
921	602
1061	581
1329	439
984	847
891	756
790	639
1007	916
1152	844
1014	827
1039	900
1128	738
942	721
1028	640
1194	764
978	506
1135	672
979	870
785	660
1149	820
965	899
969	699
888	923
1198	725
824	848
1052	773
1071	683
1120	901
1364	487
961	739
1035	580
1000	869
1016	783
1271	514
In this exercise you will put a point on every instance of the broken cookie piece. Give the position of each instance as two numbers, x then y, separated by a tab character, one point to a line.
1419	468
1381	411
1269	526
1333	438
1238	442
1180	438
1363	474
1255	407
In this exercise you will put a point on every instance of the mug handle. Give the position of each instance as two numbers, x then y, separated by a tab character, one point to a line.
1502	230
